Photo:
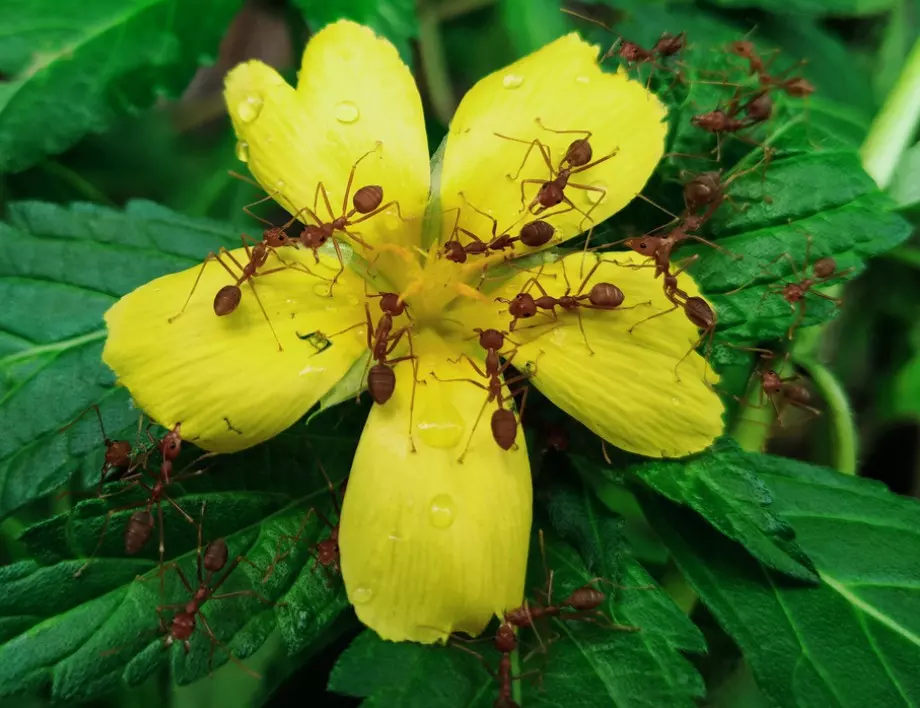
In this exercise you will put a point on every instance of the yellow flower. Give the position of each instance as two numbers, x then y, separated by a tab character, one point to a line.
429	543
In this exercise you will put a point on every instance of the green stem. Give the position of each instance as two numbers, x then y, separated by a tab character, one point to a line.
843	428
434	64
76	182
516	671
894	125
754	423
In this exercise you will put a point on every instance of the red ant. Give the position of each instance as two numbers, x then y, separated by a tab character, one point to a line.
824	270
504	422
577	159
366	201
533	235
120	457
796	86
773	385
183	622
326	550
602	296
228	297
140	524
720	121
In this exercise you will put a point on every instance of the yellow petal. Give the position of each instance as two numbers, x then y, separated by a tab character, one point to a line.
628	392
431	545
223	378
354	93
563	86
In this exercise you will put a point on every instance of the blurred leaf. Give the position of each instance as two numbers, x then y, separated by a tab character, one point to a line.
531	24
901	30
841	8
485	31
394	19
721	486
70	265
95	60
905	184
852	641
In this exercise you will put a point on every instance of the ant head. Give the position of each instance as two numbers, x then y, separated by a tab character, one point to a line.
313	236
171	444
390	304
793	292
453	251
712	121
799	87
700	313
367	198
536	233
771	382
579	153
183	623
275	237
118	453
646	245
227	299
522	306
550	195
629	51
742	48
670	44
491	338
760	107
824	267
505	639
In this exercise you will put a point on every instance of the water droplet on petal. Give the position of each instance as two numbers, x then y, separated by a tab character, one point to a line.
352	299
249	108
242	151
360	596
512	81
582	80
675	400
441	511
440	424
595	197
346	112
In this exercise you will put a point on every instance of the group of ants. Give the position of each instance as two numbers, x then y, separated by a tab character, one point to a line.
703	195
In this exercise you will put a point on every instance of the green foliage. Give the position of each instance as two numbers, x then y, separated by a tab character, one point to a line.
97	59
394	19
815	7
70	265
851	641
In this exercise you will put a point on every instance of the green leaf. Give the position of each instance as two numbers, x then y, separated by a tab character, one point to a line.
85	635
854	640
905	184
72	75
722	488
70	264
842	8
394	19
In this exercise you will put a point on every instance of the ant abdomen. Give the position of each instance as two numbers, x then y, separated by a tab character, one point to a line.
579	153
824	267
536	233
367	198
118	454
586	598
215	556
138	531
504	428
227	299
606	295
381	381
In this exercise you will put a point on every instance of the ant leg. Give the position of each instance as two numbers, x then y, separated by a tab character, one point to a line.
707	334
210	257
525	182
414	359
825	296
472	363
798	320
265	314
586	133
472	381
651	317
351	177
598	161
544	151
475	425
216	641
105	526
376	211
716	246
338	254
581	326
481	213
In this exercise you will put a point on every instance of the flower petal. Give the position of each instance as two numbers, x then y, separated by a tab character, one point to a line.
431	545
223	378
354	92
627	392
562	86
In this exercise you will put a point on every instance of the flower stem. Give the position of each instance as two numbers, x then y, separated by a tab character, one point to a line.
894	125
434	64
516	671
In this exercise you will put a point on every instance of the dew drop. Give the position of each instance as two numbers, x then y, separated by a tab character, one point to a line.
582	80
441	511
440	424
242	151
352	299
249	108
512	81
675	400
360	596
346	112
595	197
